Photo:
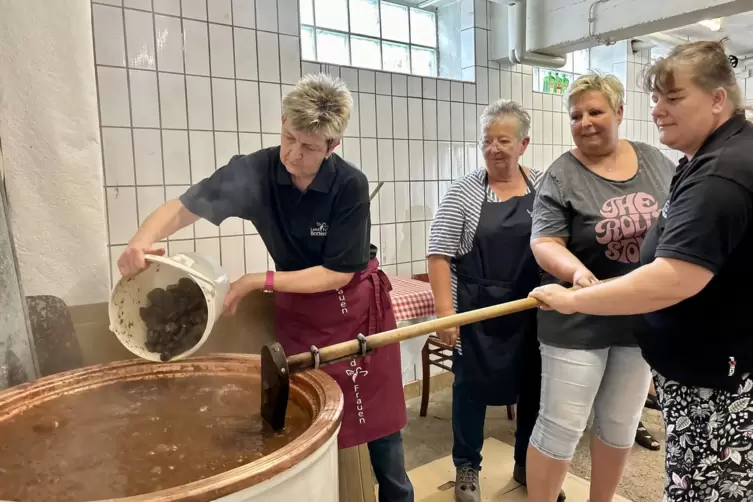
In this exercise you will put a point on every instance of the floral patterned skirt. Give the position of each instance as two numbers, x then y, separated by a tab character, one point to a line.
709	442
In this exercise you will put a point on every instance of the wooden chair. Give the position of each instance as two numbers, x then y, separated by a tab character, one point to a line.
437	353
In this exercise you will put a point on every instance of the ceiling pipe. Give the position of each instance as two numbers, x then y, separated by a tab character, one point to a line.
517	40
436	4
641	45
663	40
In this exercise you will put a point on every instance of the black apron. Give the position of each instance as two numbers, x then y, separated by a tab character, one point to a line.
499	268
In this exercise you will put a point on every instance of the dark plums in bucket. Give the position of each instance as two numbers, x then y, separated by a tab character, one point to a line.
175	318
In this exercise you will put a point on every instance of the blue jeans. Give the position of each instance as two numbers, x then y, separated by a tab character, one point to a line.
388	462
468	416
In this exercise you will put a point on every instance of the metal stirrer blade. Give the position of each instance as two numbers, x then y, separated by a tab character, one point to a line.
275	385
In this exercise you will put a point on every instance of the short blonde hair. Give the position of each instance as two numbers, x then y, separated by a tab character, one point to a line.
707	65
609	85
505	109
319	103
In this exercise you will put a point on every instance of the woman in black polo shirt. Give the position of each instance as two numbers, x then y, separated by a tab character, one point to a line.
311	209
695	282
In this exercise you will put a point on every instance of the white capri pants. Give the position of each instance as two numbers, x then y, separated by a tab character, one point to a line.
614	382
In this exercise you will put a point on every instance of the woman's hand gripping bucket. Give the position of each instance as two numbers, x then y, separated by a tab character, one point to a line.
130	294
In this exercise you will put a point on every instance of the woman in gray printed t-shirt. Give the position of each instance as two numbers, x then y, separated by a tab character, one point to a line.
591	213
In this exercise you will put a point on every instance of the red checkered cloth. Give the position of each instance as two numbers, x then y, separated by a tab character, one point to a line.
411	299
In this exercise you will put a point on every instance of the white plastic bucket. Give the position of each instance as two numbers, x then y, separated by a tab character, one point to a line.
129	295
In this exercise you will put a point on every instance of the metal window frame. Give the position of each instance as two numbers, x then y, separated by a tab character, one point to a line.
379	44
381	34
313	15
538	71
349	33
436	27
381	37
350	37
380	40
313	35
410	68
436	60
410	40
339	32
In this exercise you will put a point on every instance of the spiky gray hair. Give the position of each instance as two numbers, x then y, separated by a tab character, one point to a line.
319	103
505	109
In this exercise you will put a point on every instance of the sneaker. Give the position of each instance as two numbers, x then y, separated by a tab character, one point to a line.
467	488
519	475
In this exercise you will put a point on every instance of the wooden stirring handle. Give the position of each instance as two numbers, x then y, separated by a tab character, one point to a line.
352	347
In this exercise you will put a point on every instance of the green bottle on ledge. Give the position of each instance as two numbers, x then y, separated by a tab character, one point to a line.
557	84
549	83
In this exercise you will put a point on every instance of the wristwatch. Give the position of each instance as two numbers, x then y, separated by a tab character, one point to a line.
269	282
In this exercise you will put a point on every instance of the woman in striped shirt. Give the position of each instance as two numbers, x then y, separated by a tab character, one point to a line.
479	255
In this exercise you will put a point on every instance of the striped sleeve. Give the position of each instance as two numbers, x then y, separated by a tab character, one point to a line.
446	233
536	177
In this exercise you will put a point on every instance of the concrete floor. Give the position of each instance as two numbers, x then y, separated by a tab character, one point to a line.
430	438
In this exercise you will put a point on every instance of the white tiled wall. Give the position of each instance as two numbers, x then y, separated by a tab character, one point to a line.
185	84
415	134
638	124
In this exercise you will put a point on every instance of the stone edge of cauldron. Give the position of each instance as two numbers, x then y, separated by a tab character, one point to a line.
314	389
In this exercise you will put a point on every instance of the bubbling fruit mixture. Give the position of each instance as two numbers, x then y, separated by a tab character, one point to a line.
136	437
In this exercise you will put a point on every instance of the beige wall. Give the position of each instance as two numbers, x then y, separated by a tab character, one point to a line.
50	147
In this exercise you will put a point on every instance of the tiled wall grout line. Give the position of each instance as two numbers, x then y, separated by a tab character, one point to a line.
270	262
111	279
422	128
188	131
360	145
211	101
258	95
278	83
394	160
237	120
130	115
159	111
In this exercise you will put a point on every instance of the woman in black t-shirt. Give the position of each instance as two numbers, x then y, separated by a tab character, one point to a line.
694	285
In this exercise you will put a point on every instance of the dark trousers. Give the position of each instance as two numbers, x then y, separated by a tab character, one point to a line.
468	415
388	462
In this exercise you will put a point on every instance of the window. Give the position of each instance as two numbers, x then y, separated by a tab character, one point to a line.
370	34
658	53
556	81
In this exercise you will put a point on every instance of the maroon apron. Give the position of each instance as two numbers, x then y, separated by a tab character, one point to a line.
372	385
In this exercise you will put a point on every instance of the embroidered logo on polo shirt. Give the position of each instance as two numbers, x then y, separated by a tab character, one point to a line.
665	209
320	230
